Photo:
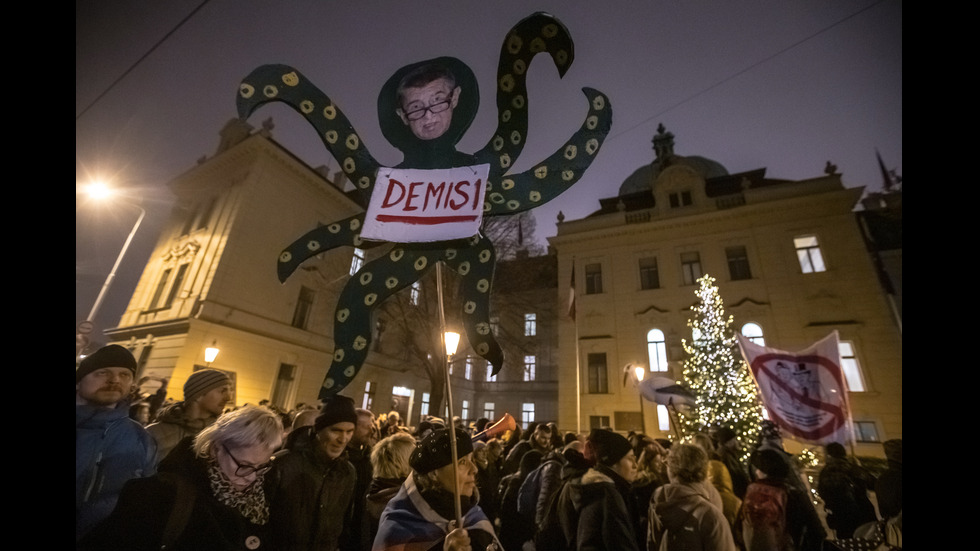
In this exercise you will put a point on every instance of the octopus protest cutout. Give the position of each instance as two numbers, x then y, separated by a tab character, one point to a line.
437	196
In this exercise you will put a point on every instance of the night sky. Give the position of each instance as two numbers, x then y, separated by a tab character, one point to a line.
785	86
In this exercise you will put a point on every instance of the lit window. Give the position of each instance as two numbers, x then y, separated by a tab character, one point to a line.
657	350
691	267
527	414
425	404
368	401
530	325
738	263
488	410
530	363
866	431
464	413
357	261
649	274
852	370
415	293
468	373
593	279
808	251
663	418
490	376
753	332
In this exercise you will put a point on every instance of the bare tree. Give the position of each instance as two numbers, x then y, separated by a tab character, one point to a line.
409	322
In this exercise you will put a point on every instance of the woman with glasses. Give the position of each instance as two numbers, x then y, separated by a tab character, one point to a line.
207	494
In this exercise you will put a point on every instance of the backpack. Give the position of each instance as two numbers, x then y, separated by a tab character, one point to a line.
681	530
764	518
527	496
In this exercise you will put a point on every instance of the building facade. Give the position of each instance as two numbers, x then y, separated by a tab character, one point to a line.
211	282
791	265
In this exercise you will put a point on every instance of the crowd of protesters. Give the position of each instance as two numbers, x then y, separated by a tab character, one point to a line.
198	474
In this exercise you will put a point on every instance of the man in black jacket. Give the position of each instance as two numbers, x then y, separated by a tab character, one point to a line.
312	483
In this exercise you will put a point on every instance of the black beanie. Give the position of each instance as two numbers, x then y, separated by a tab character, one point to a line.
607	446
107	356
339	409
434	450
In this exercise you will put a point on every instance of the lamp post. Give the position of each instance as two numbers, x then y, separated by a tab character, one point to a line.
99	191
640	372
451	339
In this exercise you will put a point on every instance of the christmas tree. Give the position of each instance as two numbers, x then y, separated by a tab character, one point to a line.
725	392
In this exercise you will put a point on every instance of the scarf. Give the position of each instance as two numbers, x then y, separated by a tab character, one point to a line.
250	502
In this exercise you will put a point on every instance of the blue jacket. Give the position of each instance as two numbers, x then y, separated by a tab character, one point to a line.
110	448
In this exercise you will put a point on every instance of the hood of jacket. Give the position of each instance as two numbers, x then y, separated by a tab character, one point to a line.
674	492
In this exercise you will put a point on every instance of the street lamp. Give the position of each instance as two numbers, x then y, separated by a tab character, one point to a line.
640	372
100	191
451	338
211	352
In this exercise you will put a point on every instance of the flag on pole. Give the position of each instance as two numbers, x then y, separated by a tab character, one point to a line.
885	175
805	392
571	295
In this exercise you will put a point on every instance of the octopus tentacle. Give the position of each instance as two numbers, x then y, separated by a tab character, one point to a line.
535	34
324	238
475	263
519	192
283	83
374	283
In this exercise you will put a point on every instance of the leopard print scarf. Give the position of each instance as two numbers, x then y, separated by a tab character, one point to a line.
250	502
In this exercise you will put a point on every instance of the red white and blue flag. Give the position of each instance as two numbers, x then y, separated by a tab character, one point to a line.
805	392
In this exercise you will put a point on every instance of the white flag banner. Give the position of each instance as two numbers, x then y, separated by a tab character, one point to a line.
805	392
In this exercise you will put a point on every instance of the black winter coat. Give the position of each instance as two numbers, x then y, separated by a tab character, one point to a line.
145	505
310	496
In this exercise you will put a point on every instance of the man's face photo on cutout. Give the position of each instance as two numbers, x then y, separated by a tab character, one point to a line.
427	100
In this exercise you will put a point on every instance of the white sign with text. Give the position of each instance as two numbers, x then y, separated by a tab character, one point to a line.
412	205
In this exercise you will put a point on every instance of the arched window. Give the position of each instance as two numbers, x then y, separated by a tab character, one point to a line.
657	350
753	332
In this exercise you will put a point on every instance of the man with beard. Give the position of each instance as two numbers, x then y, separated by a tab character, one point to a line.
110	448
206	393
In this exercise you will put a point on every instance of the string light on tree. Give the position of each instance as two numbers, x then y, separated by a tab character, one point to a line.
725	393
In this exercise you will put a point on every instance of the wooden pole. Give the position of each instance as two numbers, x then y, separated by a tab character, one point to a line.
449	400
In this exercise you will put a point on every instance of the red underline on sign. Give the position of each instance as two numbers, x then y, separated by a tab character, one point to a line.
427	221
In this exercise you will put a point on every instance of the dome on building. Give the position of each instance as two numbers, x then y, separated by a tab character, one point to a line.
663	144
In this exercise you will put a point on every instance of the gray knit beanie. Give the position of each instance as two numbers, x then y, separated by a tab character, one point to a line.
200	382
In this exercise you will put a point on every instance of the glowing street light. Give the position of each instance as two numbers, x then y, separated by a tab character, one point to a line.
452	341
100	191
211	352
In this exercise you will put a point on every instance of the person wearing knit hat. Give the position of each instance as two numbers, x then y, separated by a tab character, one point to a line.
597	511
113	356
110	448
313	481
206	393
423	512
